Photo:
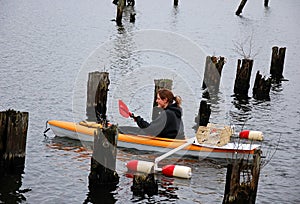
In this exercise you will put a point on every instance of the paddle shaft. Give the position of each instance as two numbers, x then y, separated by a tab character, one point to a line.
158	159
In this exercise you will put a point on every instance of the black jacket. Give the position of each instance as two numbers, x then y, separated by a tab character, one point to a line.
168	124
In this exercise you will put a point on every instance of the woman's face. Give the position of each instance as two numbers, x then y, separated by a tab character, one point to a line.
162	103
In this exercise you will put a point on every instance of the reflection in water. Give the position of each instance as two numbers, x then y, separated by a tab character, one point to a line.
10	189
83	149
168	189
101	195
164	190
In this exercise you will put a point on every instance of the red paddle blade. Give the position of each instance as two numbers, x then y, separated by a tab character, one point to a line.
123	109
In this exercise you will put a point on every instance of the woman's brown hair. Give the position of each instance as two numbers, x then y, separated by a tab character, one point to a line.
167	94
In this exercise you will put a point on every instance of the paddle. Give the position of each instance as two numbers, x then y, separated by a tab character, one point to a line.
123	109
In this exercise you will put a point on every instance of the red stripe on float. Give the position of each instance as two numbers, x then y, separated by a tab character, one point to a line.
168	170
244	134
132	165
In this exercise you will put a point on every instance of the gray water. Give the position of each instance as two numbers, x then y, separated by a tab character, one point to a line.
48	47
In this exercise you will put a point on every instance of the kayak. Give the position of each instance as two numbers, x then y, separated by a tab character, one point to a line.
84	131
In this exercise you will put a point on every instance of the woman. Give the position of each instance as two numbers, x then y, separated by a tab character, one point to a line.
169	123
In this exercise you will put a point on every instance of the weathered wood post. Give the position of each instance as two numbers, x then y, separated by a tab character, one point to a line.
120	7
101	97
237	191
131	3
240	8
242	79
262	87
255	172
13	134
103	162
132	17
277	63
204	113
144	184
92	85
212	74
176	2
159	84
266	3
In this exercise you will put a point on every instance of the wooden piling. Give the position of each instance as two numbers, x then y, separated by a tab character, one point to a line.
132	17
266	3
212	74
92	85
277	63
242	79
240	8
159	84
131	3
204	113
144	184
97	88
175	2
103	161
120	7
262	87
101	97
242	188
13	135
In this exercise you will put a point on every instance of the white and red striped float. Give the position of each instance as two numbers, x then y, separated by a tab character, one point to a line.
140	166
251	135
177	171
168	170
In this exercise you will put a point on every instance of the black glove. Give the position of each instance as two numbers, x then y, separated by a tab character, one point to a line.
134	117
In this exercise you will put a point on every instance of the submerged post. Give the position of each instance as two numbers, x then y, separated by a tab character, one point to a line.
13	134
242	79
176	2
266	3
277	63
144	184
120	7
240	8
262	87
159	84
